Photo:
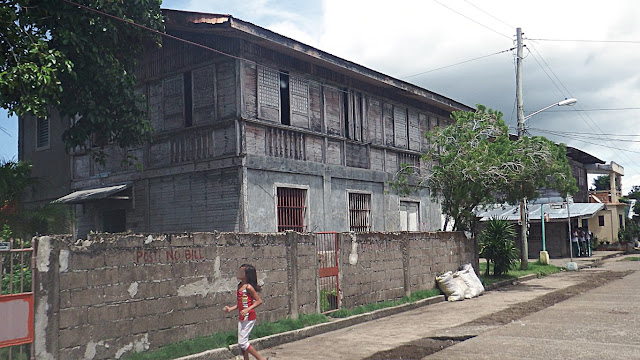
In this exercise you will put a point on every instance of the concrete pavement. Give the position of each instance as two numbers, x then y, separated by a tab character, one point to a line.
599	324
444	319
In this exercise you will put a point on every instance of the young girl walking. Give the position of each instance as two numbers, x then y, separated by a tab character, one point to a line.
248	300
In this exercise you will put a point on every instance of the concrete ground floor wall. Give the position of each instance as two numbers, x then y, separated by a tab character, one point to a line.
241	195
606	224
327	196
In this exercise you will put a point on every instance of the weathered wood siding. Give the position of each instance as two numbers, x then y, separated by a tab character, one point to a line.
199	201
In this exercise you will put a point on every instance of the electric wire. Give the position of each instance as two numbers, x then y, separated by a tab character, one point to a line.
582	135
468	2
583	114
468	18
131	22
458	63
590	41
597	109
577	138
586	133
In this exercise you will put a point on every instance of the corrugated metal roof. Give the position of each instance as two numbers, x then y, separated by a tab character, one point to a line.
81	196
555	211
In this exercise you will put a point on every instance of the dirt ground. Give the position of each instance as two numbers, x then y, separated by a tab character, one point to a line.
420	348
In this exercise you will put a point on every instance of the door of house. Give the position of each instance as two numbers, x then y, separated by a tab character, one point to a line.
328	282
409	218
16	300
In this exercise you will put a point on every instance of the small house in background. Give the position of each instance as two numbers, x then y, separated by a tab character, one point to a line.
253	132
611	219
582	212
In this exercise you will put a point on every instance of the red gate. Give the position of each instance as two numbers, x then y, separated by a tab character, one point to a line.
16	299
328	282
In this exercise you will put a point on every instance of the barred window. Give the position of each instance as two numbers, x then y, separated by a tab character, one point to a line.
42	136
359	212
291	209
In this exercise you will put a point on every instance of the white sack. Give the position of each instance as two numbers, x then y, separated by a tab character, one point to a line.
468	275
452	286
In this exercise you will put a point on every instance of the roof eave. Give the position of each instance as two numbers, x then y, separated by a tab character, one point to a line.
185	21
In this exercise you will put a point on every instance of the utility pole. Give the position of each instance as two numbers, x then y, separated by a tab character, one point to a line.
524	246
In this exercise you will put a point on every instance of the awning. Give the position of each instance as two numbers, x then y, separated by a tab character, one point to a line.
81	196
555	211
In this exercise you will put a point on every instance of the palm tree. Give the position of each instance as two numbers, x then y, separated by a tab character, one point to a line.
497	246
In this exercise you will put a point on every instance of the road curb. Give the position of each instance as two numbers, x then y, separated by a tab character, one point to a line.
294	335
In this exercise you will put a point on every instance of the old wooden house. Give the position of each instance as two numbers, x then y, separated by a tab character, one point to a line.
255	132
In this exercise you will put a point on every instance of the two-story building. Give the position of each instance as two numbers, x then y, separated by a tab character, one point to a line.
611	219
253	132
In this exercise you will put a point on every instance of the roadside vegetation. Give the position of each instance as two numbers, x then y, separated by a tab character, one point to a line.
226	338
632	258
418	295
534	268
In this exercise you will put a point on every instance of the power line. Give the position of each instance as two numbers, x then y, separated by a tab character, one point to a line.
591	41
592	143
599	109
580	107
459	63
468	2
584	133
468	18
131	22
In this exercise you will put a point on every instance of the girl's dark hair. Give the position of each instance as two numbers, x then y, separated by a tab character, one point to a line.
252	276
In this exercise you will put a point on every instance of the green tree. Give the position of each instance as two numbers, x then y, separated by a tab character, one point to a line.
474	162
497	246
15	178
57	55
601	183
635	195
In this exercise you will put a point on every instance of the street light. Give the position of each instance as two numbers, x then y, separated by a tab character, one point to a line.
565	102
524	219
524	248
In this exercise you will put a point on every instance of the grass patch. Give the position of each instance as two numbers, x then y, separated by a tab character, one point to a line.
224	339
632	258
418	295
534	268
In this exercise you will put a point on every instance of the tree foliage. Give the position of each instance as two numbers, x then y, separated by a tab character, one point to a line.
601	183
15	178
635	195
57	55
474	162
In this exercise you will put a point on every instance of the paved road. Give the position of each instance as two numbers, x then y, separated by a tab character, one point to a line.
603	323
576	328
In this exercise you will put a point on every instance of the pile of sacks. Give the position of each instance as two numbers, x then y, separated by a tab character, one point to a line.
463	284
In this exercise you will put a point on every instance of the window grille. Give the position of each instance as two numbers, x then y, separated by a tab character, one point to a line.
359	212
292	209
42	133
411	160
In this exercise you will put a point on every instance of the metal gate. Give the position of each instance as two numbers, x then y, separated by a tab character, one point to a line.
328	282
16	300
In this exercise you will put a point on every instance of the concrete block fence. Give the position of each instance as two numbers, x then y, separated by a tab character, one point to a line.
113	294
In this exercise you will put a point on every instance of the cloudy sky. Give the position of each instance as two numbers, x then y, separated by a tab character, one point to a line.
419	40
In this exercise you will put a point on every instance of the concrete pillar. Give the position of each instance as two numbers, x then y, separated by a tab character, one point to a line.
46	298
292	260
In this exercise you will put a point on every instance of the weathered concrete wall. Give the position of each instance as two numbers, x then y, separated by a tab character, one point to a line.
384	266
122	293
114	294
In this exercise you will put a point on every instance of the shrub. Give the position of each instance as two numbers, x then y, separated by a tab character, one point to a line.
497	246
